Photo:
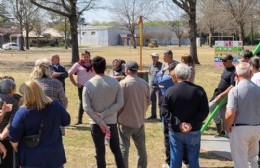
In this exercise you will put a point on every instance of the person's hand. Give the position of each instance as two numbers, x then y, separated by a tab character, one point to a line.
99	114
55	74
228	129
185	127
3	150
6	107
103	127
218	98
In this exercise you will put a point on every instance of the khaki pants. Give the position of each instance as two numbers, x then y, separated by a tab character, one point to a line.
244	144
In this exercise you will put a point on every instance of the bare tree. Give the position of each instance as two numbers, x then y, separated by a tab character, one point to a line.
240	10
127	12
189	6
72	9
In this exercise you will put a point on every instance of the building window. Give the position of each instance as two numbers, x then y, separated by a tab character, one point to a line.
83	33
93	33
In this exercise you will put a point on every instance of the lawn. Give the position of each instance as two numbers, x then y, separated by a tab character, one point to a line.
77	141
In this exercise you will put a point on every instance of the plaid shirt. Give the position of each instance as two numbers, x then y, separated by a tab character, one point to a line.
53	88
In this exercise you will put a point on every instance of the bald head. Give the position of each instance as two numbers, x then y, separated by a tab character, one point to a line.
243	70
55	59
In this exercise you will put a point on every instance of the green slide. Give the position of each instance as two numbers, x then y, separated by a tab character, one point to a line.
257	49
212	114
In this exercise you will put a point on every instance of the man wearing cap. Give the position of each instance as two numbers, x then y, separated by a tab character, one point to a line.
155	91
226	82
243	119
131	117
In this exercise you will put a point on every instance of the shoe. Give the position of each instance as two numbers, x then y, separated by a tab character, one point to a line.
165	165
220	134
151	118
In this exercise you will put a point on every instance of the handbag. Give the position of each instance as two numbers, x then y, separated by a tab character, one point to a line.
32	141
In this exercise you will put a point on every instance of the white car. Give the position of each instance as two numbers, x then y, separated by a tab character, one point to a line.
10	46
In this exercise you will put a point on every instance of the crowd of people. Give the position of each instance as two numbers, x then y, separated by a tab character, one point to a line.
32	122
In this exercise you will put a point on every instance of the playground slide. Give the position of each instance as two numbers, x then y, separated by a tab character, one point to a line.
212	114
257	49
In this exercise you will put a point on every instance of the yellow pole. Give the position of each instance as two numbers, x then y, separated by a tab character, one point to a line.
141	39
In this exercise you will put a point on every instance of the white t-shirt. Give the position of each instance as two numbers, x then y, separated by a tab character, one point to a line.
256	78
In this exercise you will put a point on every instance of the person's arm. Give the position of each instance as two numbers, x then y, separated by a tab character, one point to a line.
4	133
61	94
3	150
88	108
229	119
231	110
15	146
119	103
147	95
65	116
16	130
63	73
223	94
203	111
72	71
5	108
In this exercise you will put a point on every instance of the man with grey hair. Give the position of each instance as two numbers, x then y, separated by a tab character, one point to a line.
185	107
242	119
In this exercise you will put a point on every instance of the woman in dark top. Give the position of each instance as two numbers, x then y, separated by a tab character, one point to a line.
7	91
42	117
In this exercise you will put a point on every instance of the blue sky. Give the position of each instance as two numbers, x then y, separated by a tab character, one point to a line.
97	15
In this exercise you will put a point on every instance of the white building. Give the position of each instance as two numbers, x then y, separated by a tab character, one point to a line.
99	35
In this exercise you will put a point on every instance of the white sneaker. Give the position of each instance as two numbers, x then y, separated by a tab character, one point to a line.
165	165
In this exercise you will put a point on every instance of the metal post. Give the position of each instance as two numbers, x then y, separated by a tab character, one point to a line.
141	39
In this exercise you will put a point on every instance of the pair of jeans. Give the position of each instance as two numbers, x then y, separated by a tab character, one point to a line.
155	94
179	142
81	110
99	140
138	135
166	140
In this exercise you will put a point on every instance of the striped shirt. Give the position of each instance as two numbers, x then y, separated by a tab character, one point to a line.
53	88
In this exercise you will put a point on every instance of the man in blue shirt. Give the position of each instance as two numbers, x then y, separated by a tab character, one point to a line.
155	92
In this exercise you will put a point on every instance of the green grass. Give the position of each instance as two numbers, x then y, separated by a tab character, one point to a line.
78	143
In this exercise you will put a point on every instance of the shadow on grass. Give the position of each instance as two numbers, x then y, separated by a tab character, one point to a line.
212	155
79	127
153	121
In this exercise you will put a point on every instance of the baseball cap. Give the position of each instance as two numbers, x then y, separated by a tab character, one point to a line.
155	55
227	57
132	66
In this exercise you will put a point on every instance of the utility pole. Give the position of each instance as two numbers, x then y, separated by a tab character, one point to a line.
141	39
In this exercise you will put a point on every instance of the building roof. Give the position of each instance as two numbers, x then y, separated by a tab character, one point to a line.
52	33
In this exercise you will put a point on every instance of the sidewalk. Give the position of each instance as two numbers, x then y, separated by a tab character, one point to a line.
219	146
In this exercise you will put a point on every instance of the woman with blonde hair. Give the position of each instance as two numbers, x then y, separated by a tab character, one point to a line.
188	60
35	130
52	87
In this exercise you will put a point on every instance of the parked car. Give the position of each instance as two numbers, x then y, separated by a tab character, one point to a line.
10	46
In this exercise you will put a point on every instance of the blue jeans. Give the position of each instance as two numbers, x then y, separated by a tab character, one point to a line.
184	141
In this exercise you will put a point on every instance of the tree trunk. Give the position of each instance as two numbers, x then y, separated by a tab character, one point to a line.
65	33
21	45
210	41
74	38
241	32
27	38
193	32
179	41
134	40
